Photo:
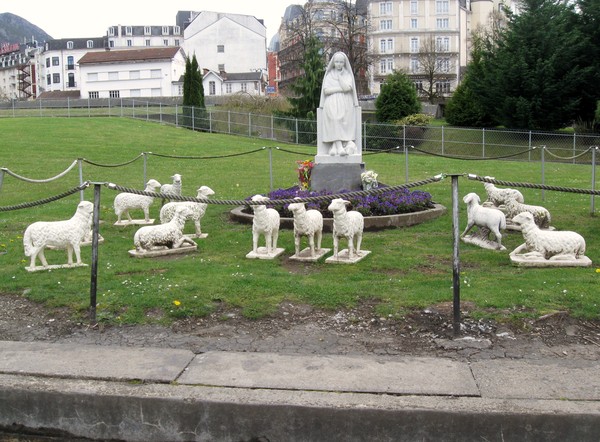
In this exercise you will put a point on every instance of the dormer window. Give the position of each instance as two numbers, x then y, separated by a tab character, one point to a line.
165	30
90	44
128	30
111	31
69	45
147	30
176	30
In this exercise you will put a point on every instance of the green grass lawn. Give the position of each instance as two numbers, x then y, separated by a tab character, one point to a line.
408	268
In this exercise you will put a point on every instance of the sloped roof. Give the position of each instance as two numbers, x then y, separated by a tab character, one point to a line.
130	55
240	76
60	94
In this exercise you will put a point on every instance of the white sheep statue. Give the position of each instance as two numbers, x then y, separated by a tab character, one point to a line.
173	189
488	219
346	224
68	234
541	216
548	244
124	202
266	222
307	223
197	209
498	196
169	235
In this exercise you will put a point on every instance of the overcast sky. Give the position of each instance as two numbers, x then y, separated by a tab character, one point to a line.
82	18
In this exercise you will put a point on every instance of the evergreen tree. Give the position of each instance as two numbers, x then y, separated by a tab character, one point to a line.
193	96
589	25
197	89
307	88
397	99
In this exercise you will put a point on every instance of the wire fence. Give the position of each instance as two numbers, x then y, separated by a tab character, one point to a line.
456	142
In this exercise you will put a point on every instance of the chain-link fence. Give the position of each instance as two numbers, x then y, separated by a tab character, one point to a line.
465	143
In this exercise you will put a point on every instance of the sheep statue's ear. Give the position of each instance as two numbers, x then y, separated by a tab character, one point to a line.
346	202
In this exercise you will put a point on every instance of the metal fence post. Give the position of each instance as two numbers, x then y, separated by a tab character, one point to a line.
455	257
147	111
176	115
193	118
229	122
270	168
145	172
1	178
594	149
405	164
94	269
297	136
483	143
68	107
442	141
80	164
543	171
249	124
529	146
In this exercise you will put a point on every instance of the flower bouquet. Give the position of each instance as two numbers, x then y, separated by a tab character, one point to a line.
369	180
304	170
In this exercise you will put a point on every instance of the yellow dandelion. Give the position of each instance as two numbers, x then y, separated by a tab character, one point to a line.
597	270
176	302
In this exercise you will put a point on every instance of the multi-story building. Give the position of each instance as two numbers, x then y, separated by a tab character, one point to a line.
122	37
430	40
18	79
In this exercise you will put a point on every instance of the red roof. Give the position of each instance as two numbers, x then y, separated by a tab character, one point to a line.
129	55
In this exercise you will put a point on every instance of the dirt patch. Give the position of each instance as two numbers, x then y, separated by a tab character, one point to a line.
303	329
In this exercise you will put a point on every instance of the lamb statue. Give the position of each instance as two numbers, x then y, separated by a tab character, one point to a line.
541	216
487	219
346	224
197	209
497	197
169	235
174	188
67	235
546	245
124	202
307	223
266	222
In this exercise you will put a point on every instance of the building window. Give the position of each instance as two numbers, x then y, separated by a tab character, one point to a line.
176	30
176	42
385	8
155	73
48	62
111	44
155	92
221	68
129	42
443	64
55	78
386	65
414	65
418	85
94	94
442	87
111	31
89	44
385	25
386	45
48	79
128	30
414	23
442	23
55	61
212	88
70	63
166	42
442	44
147	30
220	48
165	30
414	45
441	7
92	76
244	87
71	81
414	7
69	45
114	94
135	93
113	76
148	42
134	75
228	88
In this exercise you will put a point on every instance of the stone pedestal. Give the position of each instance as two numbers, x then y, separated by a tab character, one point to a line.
334	177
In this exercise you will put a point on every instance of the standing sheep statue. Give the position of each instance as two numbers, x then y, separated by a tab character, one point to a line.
197	210
67	235
487	219
266	222
349	225
173	189
307	223
163	237
124	202
547	248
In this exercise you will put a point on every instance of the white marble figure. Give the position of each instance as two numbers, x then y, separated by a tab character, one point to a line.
307	223
541	216
68	234
498	196
547	244
487	219
169	235
124	202
197	210
339	103
346	224
174	188
265	222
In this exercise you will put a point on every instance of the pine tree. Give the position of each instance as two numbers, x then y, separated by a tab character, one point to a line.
397	98
307	88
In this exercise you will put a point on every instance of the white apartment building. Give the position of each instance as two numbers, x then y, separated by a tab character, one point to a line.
224	42
404	31
144	72
122	37
18	78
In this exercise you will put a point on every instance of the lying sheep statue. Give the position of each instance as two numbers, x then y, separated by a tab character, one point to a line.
487	219
197	209
307	223
124	202
541	216
67	235
498	196
547	244
169	235
346	224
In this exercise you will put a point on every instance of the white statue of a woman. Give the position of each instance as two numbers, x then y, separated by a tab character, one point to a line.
339	103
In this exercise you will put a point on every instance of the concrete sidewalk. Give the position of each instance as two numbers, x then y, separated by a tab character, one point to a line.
156	394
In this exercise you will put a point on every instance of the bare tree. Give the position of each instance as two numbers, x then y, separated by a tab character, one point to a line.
436	65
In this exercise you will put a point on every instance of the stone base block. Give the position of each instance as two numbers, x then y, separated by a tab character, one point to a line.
194	236
53	267
261	253
304	255
135	222
335	177
184	249
484	243
343	257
